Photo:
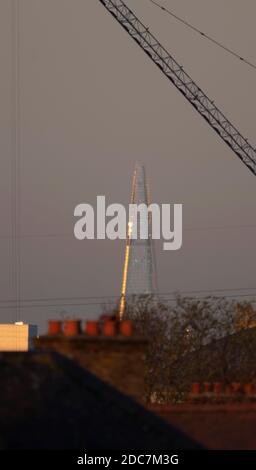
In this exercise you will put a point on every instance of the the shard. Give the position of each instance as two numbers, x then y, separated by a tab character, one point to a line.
139	273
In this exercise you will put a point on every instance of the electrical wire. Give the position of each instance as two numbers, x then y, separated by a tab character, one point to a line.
66	301
15	160
106	297
185	229
84	304
204	35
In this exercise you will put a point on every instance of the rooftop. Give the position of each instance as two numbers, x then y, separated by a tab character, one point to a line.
48	401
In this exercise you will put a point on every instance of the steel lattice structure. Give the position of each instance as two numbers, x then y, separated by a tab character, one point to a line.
183	82
139	273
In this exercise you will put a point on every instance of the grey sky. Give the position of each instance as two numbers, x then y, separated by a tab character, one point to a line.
91	105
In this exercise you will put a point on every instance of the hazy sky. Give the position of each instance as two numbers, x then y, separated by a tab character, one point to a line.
91	105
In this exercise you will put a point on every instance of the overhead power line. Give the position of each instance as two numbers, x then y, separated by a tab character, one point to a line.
84	304
185	229
100	300
161	294
204	35
15	159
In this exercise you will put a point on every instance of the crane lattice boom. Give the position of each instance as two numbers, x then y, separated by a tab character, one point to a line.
182	81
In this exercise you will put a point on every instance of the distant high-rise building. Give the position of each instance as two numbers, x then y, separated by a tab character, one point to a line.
17	336
139	273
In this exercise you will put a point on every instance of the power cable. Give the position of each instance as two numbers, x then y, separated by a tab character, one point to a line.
171	299
204	35
15	160
109	297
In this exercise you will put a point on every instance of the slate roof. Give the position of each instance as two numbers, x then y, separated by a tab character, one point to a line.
49	402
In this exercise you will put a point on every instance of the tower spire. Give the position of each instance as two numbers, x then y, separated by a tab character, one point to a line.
139	273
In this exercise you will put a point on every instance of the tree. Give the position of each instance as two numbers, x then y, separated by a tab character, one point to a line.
175	334
245	316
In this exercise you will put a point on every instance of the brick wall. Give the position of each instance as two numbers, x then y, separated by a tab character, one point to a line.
118	360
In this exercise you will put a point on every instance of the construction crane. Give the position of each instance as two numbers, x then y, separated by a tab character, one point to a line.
183	82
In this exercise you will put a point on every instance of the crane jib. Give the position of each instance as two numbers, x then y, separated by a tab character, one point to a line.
183	82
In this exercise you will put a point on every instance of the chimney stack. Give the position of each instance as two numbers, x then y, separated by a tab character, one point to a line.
108	348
